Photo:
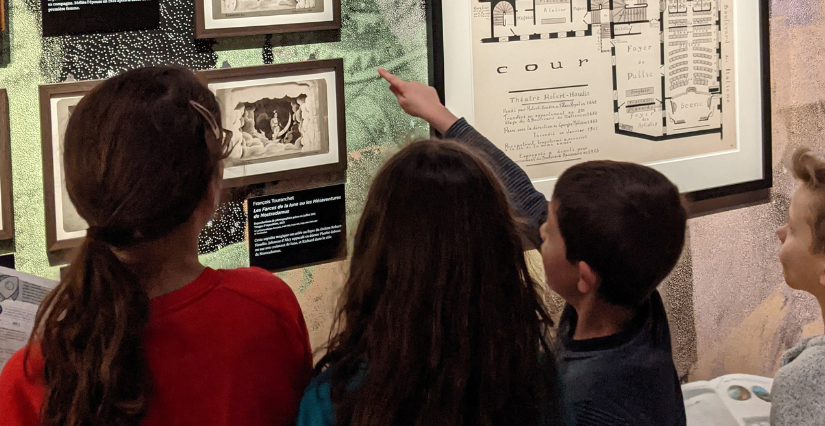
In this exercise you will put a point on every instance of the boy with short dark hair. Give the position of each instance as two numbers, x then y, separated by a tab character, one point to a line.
612	232
799	387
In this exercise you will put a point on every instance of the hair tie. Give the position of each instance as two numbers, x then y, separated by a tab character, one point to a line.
113	236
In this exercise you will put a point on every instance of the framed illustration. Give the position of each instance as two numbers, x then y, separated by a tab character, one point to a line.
287	120
231	18
682	86
6	206
64	226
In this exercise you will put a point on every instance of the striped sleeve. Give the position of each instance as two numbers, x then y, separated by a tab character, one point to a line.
530	204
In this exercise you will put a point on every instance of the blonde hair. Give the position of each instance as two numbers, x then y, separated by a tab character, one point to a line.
810	170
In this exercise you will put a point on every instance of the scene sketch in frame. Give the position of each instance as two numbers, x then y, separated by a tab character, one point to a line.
71	220
270	7
275	121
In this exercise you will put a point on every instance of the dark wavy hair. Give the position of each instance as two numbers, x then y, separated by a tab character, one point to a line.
439	312
139	158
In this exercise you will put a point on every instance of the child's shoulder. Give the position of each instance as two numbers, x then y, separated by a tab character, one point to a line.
809	349
252	280
21	386
248	273
260	287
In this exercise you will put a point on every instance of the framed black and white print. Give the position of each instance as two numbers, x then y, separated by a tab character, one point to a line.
6	207
287	120
64	226
680	85
229	18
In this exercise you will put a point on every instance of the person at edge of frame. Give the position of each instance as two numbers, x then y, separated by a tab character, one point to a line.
798	393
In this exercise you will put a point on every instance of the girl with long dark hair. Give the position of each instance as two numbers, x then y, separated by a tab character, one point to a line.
440	322
138	332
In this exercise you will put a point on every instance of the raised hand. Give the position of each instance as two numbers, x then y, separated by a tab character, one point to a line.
420	100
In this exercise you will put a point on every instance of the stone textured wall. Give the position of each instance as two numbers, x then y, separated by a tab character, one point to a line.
745	315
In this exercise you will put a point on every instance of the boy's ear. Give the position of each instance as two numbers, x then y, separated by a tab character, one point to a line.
588	279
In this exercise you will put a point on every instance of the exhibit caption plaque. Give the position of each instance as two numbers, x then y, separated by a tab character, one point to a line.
298	228
62	17
680	85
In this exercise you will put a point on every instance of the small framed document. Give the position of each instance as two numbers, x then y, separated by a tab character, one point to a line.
64	226
682	86
230	18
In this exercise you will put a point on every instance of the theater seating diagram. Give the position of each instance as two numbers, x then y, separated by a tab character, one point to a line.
665	55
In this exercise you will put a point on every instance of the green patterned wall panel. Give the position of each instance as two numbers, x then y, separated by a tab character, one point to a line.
382	33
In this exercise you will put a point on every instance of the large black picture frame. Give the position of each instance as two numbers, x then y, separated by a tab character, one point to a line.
439	29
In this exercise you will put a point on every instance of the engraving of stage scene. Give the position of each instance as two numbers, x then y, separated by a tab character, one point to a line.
271	7
275	121
666	68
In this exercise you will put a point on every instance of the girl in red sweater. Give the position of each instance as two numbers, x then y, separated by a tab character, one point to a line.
139	332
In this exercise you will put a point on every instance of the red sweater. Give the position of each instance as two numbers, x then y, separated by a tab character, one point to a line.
231	348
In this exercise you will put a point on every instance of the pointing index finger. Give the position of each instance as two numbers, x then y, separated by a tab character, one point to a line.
392	79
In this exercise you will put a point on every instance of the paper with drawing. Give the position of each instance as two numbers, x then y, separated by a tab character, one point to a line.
558	82
20	296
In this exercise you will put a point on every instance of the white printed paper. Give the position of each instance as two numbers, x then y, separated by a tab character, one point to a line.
20	296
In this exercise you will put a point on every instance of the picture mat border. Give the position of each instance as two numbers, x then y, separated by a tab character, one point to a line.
329	19
6	198
58	200
54	242
451	52
287	73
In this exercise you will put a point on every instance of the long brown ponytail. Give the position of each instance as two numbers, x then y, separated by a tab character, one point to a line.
139	158
440	322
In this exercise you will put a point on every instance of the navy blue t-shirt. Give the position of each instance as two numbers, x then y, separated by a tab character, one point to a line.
627	379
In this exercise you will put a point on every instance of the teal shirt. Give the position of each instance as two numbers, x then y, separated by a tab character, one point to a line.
316	406
317	410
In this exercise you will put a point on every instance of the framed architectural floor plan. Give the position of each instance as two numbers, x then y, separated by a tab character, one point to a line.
6	210
64	226
230	18
680	85
287	120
